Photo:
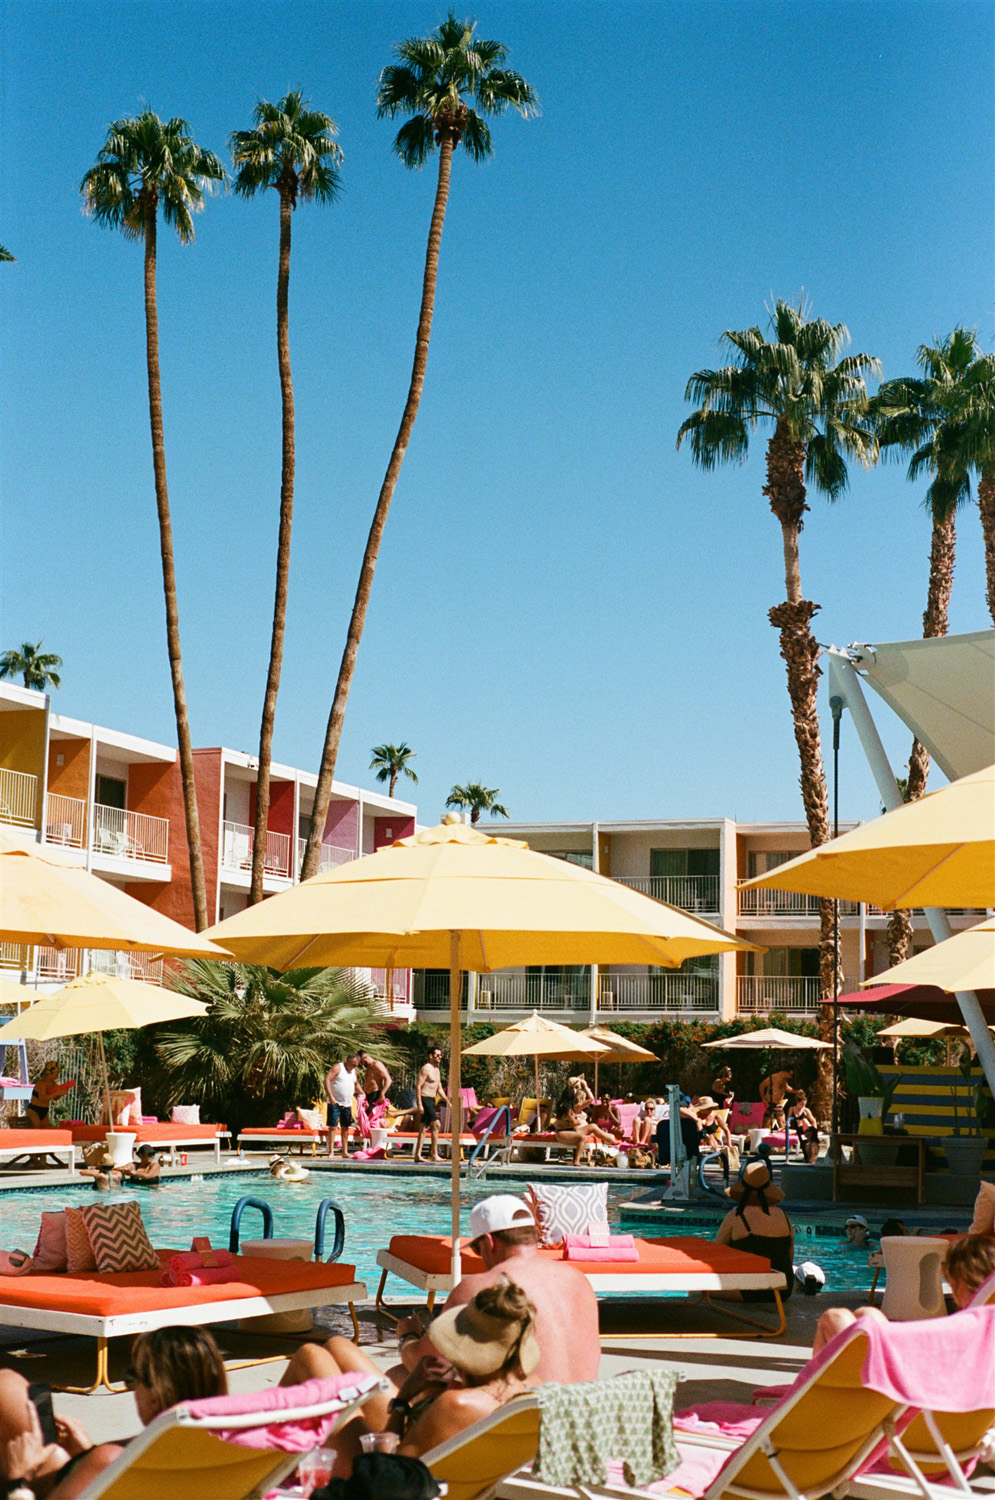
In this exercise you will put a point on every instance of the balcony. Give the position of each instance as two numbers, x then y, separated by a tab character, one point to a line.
758	994
18	797
65	821
331	856
534	992
236	850
689	892
59	965
120	834
761	903
15	956
674	992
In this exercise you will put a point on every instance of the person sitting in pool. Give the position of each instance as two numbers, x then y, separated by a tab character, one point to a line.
168	1365
44	1094
287	1171
758	1225
145	1170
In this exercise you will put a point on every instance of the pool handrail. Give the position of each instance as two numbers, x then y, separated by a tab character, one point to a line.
236	1218
338	1244
504	1113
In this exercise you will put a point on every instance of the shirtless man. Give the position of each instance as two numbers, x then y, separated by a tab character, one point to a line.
376	1079
773	1091
504	1235
427	1090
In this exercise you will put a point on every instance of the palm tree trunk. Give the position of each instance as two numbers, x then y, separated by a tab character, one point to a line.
393	783
785	489
942	551
282	560
986	504
336	718
198	888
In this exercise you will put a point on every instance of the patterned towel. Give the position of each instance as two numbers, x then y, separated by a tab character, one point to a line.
584	1427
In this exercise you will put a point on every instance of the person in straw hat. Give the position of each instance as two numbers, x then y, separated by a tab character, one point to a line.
757	1224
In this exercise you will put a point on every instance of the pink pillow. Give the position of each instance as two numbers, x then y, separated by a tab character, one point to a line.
126	1107
186	1114
50	1251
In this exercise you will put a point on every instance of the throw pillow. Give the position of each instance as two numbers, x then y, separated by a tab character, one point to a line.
50	1251
121	1105
135	1112
562	1209
118	1238
311	1119
984	1209
185	1114
79	1254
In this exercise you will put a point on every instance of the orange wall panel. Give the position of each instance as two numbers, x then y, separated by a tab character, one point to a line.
158	790
72	778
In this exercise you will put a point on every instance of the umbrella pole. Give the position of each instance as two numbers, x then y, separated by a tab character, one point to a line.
538	1101
106	1081
455	1113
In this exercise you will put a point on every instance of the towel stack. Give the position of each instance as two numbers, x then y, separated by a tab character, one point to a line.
619	1247
199	1268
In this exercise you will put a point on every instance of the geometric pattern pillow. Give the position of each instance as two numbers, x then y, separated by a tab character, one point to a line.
186	1114
79	1252
561	1210
118	1238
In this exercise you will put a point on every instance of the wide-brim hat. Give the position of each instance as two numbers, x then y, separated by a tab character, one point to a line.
480	1344
755	1178
705	1101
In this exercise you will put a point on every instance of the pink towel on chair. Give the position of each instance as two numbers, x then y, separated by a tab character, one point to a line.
197	1260
209	1276
297	1434
615	1242
611	1253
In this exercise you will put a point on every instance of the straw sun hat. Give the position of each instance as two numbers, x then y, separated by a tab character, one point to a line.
755	1178
481	1344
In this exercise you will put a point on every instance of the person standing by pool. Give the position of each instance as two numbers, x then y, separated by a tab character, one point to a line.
773	1092
340	1091
376	1080
427	1090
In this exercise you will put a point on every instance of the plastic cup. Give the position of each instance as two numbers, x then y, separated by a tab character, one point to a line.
379	1442
315	1469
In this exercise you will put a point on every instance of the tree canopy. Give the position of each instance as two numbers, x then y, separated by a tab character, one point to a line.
36	667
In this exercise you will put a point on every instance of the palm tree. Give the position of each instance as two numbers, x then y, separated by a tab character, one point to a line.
909	414
36	667
5	254
814	403
476	798
390	762
267	1038
967	441
292	149
432	82
147	163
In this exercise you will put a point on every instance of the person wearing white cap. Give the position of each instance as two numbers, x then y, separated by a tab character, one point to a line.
503	1233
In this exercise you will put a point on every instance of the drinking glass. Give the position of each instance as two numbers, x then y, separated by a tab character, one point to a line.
379	1442
315	1469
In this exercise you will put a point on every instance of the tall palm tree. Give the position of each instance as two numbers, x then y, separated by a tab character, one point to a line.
392	761
967	441
813	402
475	799
144	165
446	83
291	148
36	667
909	414
5	254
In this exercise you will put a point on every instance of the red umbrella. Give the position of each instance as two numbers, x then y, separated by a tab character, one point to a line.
927	1001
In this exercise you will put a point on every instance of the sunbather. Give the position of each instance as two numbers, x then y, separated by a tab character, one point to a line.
168	1365
802	1121
44	1094
573	1128
758	1225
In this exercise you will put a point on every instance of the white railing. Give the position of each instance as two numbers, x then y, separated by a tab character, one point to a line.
331	856
236	849
761	903
59	964
672	992
18	796
689	892
65	820
395	997
130	835
63	964
15	956
533	992
759	993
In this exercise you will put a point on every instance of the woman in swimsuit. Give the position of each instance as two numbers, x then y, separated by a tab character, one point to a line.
44	1094
756	1224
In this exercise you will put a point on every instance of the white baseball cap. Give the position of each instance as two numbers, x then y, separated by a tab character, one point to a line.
856	1219
500	1211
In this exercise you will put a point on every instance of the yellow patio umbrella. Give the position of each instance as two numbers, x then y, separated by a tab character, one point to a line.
96	1003
455	897
45	898
939	851
538	1037
620	1049
963	962
14	994
915	1026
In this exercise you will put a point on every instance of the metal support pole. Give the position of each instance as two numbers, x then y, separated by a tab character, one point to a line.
844	681
836	706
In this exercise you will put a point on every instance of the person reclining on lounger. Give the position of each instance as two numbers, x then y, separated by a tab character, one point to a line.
168	1365
573	1128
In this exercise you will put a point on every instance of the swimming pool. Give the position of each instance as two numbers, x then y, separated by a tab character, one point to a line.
375	1206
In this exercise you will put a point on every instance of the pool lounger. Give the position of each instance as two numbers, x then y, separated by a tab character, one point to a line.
700	1268
406	1138
17	1143
253	1136
121	1304
165	1136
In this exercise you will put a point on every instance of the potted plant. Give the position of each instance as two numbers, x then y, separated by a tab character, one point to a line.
872	1092
965	1149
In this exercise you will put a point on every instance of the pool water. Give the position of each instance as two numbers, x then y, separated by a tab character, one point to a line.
375	1207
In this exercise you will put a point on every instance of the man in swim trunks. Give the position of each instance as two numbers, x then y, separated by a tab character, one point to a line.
427	1090
340	1091
376	1079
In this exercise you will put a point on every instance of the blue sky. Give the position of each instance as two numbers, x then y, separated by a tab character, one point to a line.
564	607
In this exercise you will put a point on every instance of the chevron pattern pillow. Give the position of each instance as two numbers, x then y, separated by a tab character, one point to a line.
118	1238
79	1252
562	1209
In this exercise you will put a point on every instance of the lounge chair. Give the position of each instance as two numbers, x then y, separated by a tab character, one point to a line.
700	1268
164	1136
231	1447
289	1132
55	1143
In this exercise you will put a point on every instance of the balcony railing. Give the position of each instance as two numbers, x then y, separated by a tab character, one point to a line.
65	821
130	835
689	892
18	797
63	964
331	856
761	903
395	997
236	850
670	992
15	956
760	993
534	992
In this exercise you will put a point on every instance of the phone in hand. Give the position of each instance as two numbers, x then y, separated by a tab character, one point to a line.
40	1395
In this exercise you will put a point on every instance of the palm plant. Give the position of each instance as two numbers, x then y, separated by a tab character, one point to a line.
966	440
292	149
36	668
268	1038
814	404
144	165
909	415
5	254
447	83
475	799
392	761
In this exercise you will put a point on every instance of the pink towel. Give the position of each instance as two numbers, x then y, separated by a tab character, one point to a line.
209	1276
297	1435
933	1364
604	1253
615	1242
196	1260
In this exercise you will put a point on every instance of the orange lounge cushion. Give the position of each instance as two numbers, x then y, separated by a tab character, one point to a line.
161	1134
37	1138
685	1255
291	1130
114	1294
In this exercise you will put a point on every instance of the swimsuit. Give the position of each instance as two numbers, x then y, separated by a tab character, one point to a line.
429	1109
